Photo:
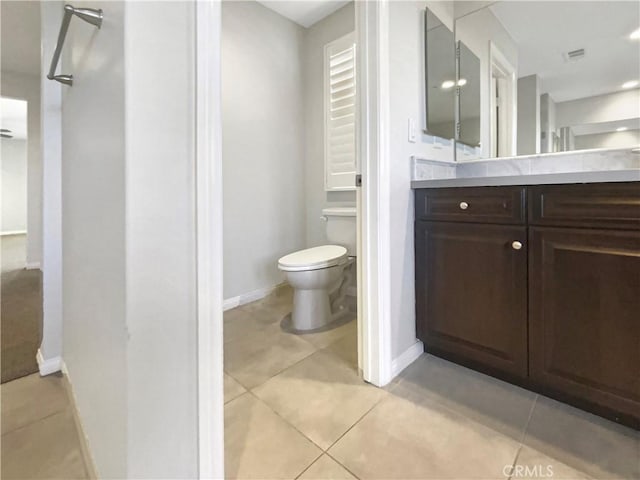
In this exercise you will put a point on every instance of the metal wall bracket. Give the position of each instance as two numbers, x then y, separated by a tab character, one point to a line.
90	15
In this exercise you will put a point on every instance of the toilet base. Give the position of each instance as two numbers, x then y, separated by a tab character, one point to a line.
319	296
312	310
287	324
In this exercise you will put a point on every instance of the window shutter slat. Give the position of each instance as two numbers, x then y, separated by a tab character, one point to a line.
340	112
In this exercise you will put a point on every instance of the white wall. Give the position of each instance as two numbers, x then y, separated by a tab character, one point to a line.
406	84
273	140
129	237
13	159
548	123
27	87
528	115
601	108
93	228
160	240
316	37
263	144
51	152
628	138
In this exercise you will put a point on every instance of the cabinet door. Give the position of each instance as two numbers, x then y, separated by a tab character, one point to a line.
584	323
471	294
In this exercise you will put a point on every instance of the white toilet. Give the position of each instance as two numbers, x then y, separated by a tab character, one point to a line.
319	275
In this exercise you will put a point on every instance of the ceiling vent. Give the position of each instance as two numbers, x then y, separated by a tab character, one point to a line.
574	55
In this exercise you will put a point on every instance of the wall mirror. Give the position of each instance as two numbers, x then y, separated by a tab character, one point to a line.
539	77
440	75
468	96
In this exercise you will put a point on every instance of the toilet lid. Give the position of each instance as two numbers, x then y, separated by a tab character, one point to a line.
313	258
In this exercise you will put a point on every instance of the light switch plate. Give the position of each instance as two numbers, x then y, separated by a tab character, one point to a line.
411	127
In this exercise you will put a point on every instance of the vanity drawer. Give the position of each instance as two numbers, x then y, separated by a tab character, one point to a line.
502	205
605	205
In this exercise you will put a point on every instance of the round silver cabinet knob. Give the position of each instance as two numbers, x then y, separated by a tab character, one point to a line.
464	205
516	245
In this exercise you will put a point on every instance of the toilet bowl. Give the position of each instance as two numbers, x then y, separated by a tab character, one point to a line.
318	281
321	276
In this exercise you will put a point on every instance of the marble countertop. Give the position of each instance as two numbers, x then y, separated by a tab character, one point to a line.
533	179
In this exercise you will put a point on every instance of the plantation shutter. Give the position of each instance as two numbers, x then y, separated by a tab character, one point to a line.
340	114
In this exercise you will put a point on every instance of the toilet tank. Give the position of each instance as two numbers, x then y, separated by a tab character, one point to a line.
341	227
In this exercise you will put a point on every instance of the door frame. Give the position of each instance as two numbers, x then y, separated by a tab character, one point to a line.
208	199
373	202
501	71
374	284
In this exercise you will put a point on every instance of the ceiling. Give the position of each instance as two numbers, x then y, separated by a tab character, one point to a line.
606	127
304	13
20	36
13	116
546	31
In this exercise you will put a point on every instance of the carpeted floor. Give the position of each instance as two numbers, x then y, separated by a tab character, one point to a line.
20	310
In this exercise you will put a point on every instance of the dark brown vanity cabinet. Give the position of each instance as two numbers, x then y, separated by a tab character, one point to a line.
536	285
472	293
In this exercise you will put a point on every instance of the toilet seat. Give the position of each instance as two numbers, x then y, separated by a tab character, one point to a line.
313	258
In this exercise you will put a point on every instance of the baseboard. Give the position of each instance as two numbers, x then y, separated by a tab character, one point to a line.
13	232
230	303
249	297
48	366
32	266
84	442
406	358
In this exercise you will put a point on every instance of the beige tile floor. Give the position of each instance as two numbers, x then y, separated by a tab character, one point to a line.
39	437
296	408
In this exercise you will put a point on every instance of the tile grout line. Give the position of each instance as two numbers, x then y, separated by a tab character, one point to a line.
309	466
464	415
526	425
33	422
382	398
340	463
522	437
246	389
232	399
280	372
274	375
324	451
446	407
515	462
285	420
237	398
315	350
224	402
250	389
356	422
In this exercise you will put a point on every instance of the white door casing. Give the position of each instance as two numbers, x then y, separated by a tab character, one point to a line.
209	240
374	327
